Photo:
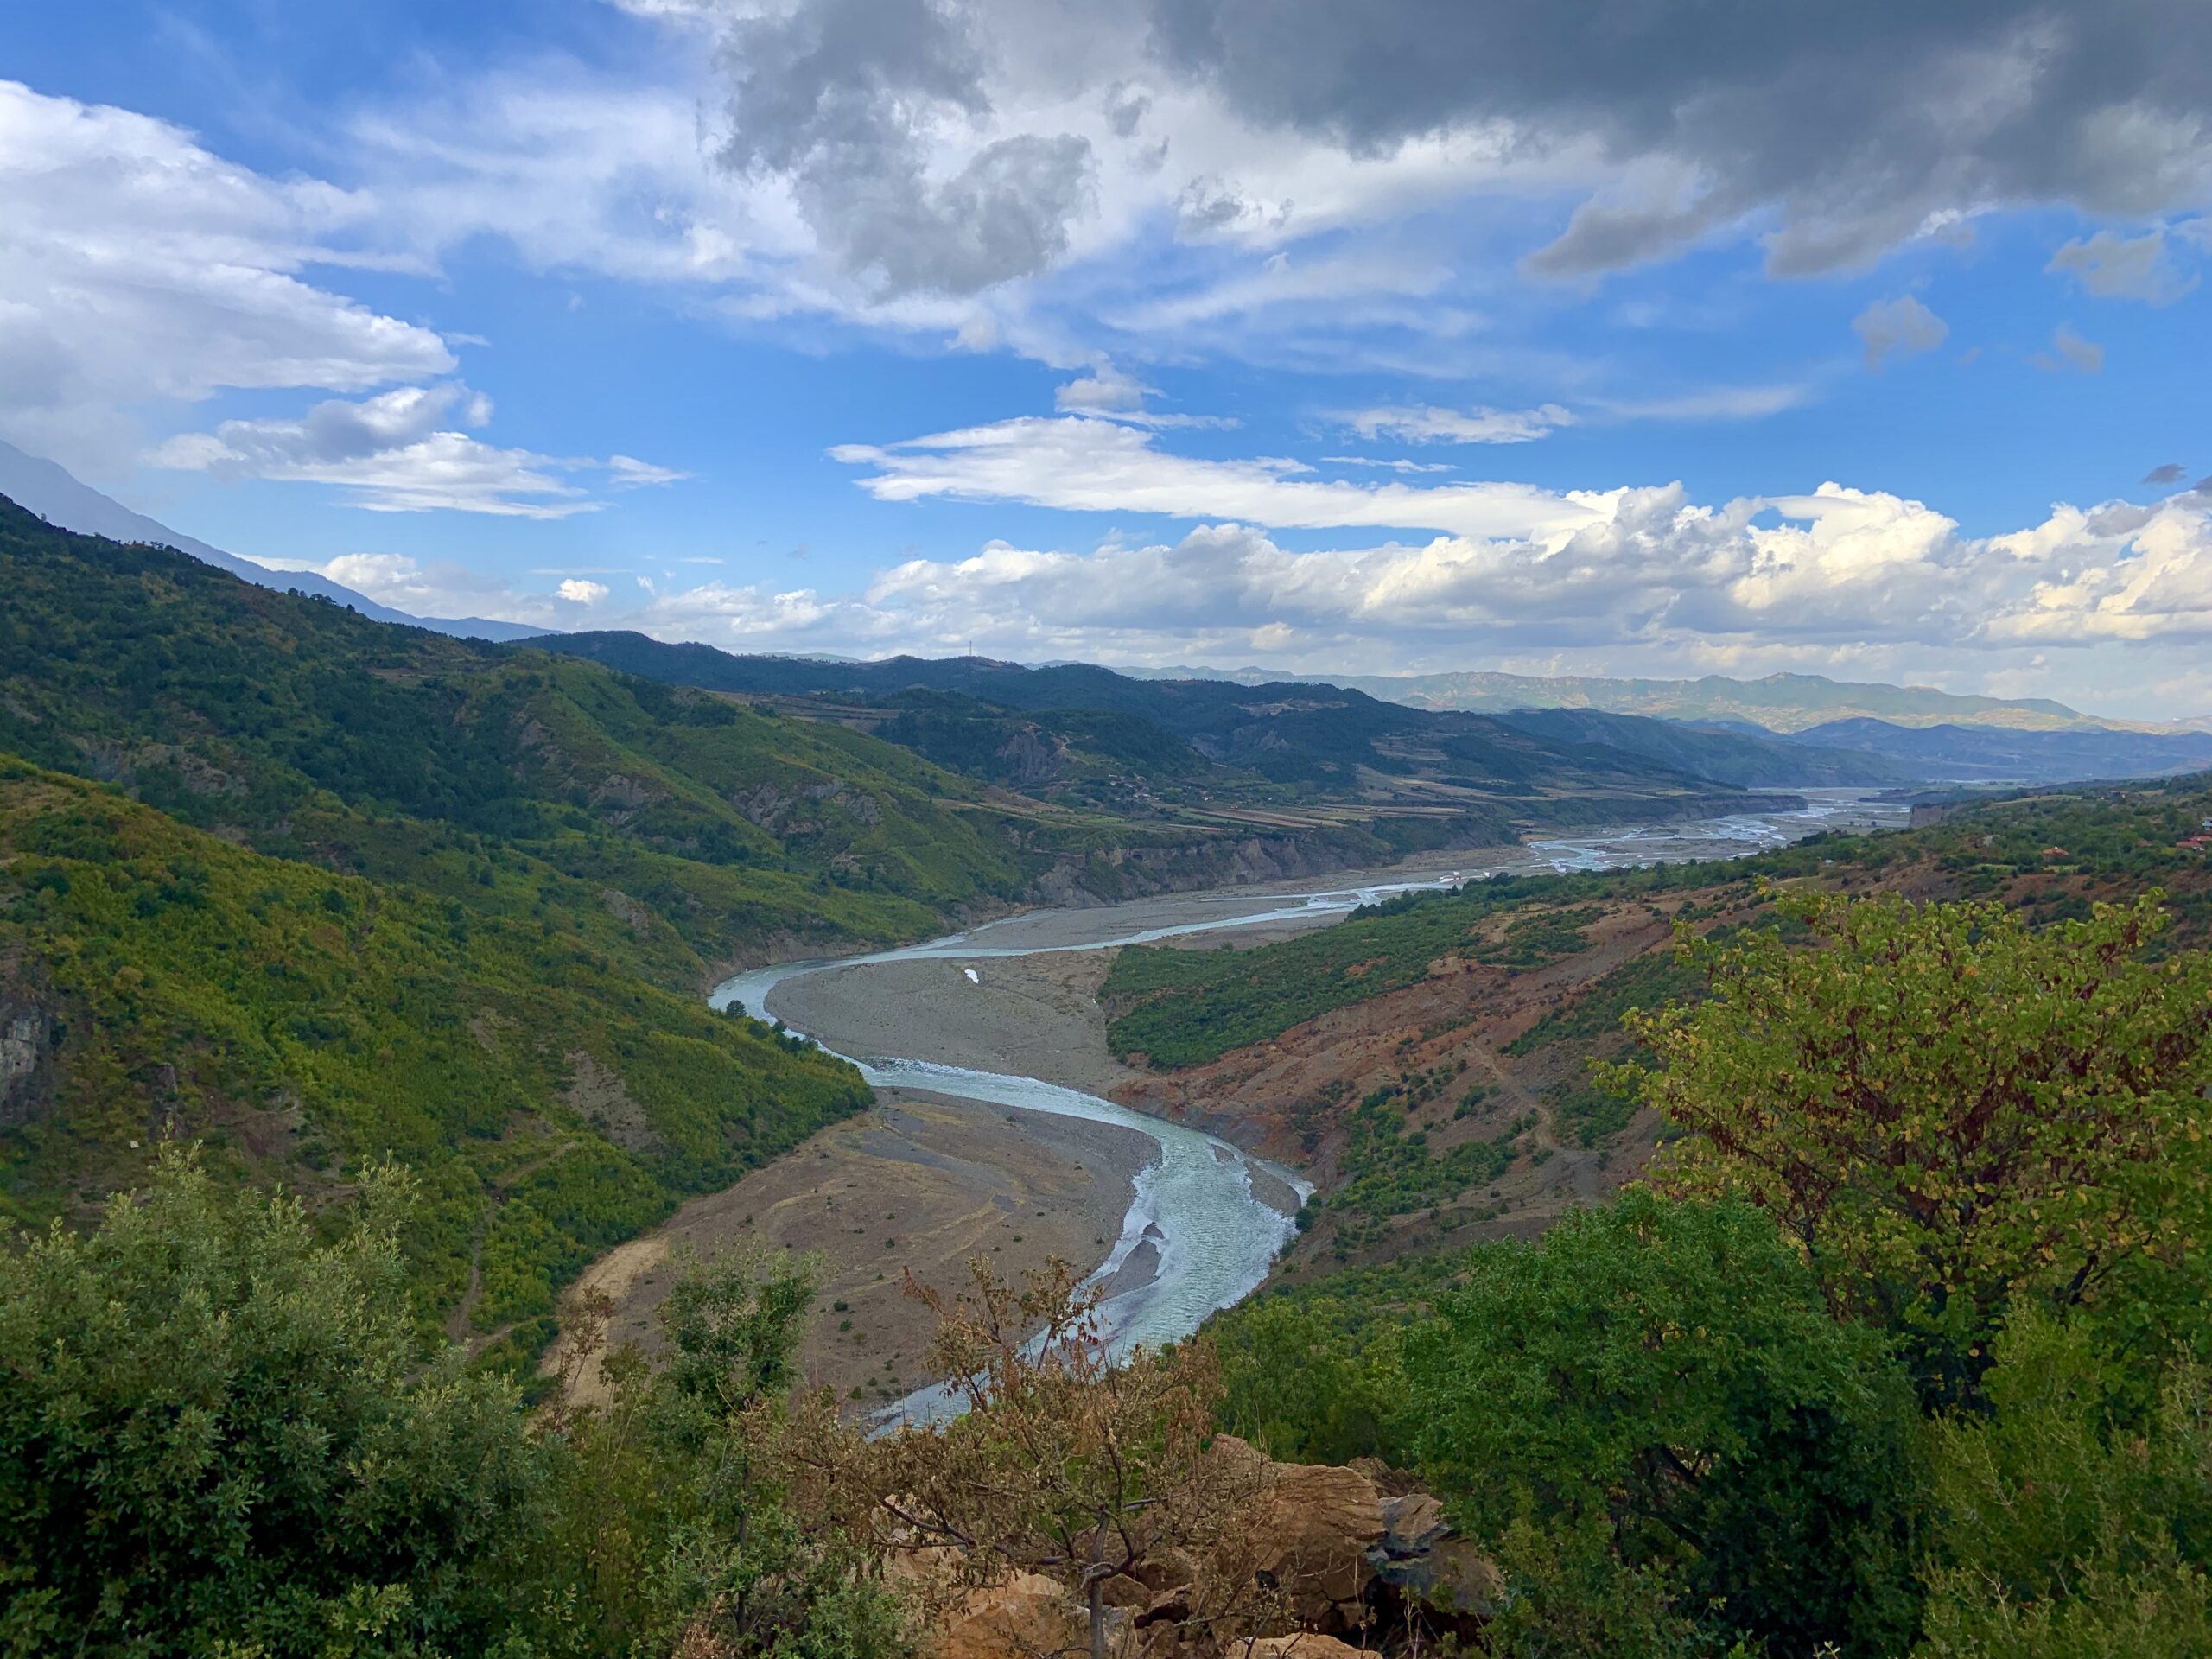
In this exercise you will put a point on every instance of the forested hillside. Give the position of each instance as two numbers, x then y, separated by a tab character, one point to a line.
305	731
321	892
1277	743
161	984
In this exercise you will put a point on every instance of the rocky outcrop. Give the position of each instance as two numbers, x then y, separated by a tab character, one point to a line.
1315	1528
1332	1563
1025	1614
783	812
26	1043
595	1093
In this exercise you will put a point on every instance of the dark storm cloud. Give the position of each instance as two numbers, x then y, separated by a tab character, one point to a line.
1853	126
837	97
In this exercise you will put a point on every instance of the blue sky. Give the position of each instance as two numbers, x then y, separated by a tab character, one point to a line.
1396	337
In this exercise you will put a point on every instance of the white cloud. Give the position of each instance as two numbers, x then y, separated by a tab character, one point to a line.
1426	423
579	592
395	453
442	588
1900	327
628	472
137	266
1836	580
1395	464
1710	404
2069	351
1087	465
2116	267
1102	391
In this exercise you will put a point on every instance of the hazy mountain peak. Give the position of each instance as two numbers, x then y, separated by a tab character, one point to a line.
57	495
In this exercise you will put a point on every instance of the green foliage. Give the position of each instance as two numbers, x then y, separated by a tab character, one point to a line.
1689	1427
314	1022
1672	1368
2066	1528
219	1435
664	1528
1387	1171
1312	1379
215	1431
735	1330
1543	936
1183	1007
505	779
1650	981
1948	1110
1311	1373
1187	1007
1590	1113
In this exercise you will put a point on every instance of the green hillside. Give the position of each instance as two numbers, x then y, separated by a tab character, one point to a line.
321	890
296	728
2052	853
163	983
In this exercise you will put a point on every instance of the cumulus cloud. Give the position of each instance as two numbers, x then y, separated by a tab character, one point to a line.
1102	391
1900	327
137	266
443	588
577	591
1834	577
842	99
1842	131
397	452
2116	267
1426	423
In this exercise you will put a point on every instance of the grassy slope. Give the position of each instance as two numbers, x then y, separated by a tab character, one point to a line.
305	731
1372	1259
1186	1007
307	1021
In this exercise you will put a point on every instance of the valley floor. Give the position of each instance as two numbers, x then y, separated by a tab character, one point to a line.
920	1182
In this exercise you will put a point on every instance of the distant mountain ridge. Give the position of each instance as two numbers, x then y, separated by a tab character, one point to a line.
1780	703
2000	754
1309	730
1304	734
57	495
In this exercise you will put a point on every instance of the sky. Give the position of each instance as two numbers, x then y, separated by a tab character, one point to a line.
1652	337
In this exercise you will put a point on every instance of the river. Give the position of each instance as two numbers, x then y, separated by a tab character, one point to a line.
1206	1218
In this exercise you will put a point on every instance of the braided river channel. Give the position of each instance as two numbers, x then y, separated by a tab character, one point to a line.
1206	1218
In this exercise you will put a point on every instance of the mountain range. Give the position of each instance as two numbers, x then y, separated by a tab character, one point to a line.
1313	732
1781	703
1457	731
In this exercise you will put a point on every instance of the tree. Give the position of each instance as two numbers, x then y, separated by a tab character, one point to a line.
1095	1472
1668	1371
1946	1109
2069	1524
670	1531
215	1429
